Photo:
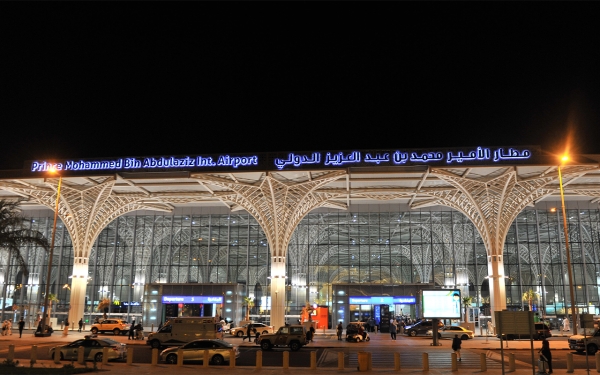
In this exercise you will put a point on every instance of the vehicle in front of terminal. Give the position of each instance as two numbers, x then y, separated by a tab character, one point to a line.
540	331
292	336
448	332
421	327
588	339
243	330
219	352
181	330
116	326
93	349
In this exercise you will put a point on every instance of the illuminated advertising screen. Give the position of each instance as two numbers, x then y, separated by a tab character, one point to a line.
441	303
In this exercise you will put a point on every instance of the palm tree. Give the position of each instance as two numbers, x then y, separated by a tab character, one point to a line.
51	298
467	300
12	236
530	296
249	303
103	306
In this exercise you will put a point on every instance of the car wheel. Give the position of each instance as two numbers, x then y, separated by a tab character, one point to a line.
464	337
116	331
265	345
412	333
98	357
94	330
592	349
295	346
155	344
439	335
239	334
171	359
368	338
265	332
217	360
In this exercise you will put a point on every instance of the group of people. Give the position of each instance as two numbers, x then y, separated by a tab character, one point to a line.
135	331
6	328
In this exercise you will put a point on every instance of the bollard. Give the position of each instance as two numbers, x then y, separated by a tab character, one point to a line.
363	361
259	360
205	359
340	361
11	353
482	362
232	358
33	354
396	361
130	355
154	357
180	357
511	362
570	367
369	361
454	362
81	355
597	361
152	327
313	360
286	360
57	355
105	356
425	361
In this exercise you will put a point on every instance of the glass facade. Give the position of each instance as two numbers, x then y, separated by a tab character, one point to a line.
369	251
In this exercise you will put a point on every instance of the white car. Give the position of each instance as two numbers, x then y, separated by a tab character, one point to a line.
260	328
448	332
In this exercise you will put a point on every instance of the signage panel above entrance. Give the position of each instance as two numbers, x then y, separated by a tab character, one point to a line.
192	299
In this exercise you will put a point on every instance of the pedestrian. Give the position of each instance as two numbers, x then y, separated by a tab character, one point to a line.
80	324
393	330
256	335
312	334
546	354
248	334
66	329
131	331
339	331
21	326
456	343
566	327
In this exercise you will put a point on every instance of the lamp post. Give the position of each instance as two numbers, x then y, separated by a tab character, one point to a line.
46	320
568	251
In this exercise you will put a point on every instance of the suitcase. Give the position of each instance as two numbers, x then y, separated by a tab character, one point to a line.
542	366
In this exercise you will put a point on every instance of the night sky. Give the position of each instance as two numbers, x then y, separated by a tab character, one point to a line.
143	79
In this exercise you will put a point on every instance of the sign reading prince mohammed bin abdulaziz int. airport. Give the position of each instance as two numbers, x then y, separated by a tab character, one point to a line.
295	160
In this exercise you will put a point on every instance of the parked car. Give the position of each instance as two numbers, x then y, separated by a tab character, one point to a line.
541	330
292	336
421	327
260	328
116	326
448	332
219	351
93	349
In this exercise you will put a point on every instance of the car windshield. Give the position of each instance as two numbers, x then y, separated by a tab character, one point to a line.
588	331
223	343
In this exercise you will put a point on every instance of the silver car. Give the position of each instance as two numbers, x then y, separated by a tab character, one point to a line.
448	332
218	351
92	348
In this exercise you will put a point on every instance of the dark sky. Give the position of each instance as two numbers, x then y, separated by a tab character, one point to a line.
140	79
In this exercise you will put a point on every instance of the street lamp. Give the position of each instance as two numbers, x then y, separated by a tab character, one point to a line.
564	159
46	320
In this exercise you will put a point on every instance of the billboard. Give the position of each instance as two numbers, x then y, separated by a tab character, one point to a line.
441	303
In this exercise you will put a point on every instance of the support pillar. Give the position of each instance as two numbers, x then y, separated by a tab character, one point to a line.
497	283
78	289
278	292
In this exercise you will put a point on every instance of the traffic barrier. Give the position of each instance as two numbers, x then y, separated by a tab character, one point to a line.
369	361
154	357
597	361
313	360
363	361
81	355
425	361
482	361
205	359
57	355
105	356
130	355
179	357
396	361
11	353
340	361
570	367
511	362
454	361
259	360
232	358
33	354
286	360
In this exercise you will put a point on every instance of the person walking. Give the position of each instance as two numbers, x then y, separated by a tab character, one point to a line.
547	354
131	331
80	325
456	343
339	331
566	325
66	329
21	326
248	334
393	330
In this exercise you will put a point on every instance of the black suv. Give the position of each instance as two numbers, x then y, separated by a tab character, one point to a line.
541	330
421	327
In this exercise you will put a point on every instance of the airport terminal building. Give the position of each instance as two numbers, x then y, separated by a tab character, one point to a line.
357	232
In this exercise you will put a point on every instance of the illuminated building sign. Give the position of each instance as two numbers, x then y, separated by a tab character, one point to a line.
292	161
192	299
383	300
